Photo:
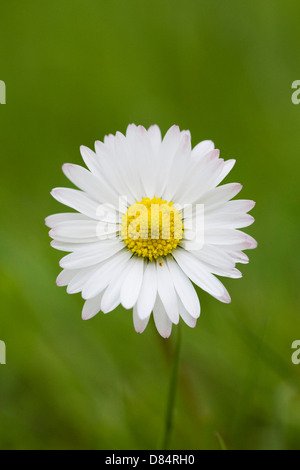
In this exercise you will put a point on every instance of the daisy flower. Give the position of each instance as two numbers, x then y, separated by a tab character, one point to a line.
151	220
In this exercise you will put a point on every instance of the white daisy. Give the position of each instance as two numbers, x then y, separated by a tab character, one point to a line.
135	239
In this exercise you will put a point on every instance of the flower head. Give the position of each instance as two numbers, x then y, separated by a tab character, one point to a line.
150	220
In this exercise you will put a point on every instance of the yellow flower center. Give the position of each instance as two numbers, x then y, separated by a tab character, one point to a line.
152	228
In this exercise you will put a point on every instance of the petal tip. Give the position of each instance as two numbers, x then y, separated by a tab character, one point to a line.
66	166
225	298
47	221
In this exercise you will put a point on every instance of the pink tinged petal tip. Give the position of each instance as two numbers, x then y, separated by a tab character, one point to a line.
250	205
236	274
214	154
67	169
142	130
54	192
250	243
139	325
174	128
225	298
58	282
47	221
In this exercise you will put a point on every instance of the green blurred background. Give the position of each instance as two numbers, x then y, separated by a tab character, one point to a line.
75	71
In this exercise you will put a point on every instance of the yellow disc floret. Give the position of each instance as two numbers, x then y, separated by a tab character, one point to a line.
152	228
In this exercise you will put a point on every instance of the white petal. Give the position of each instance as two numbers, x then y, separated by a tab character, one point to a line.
167	151
112	295
77	200
148	292
145	162
104	165
139	324
79	281
228	220
220	195
116	166
106	270
109	141
238	206
125	151
67	246
226	236
83	229
202	182
91	307
198	273
227	167
65	276
90	255
202	149
238	256
196	176
161	319
184	289
248	244
98	189
55	219
191	245
216	256
170	142
67	241
131	131
214	201
155	138
186	317
132	284
166	291
233	272
180	163
91	160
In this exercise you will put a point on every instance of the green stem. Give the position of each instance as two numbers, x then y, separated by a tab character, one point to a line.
172	392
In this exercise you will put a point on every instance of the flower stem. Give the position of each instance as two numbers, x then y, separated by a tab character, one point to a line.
172	392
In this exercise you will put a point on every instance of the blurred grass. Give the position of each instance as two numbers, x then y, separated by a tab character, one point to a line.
74	72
